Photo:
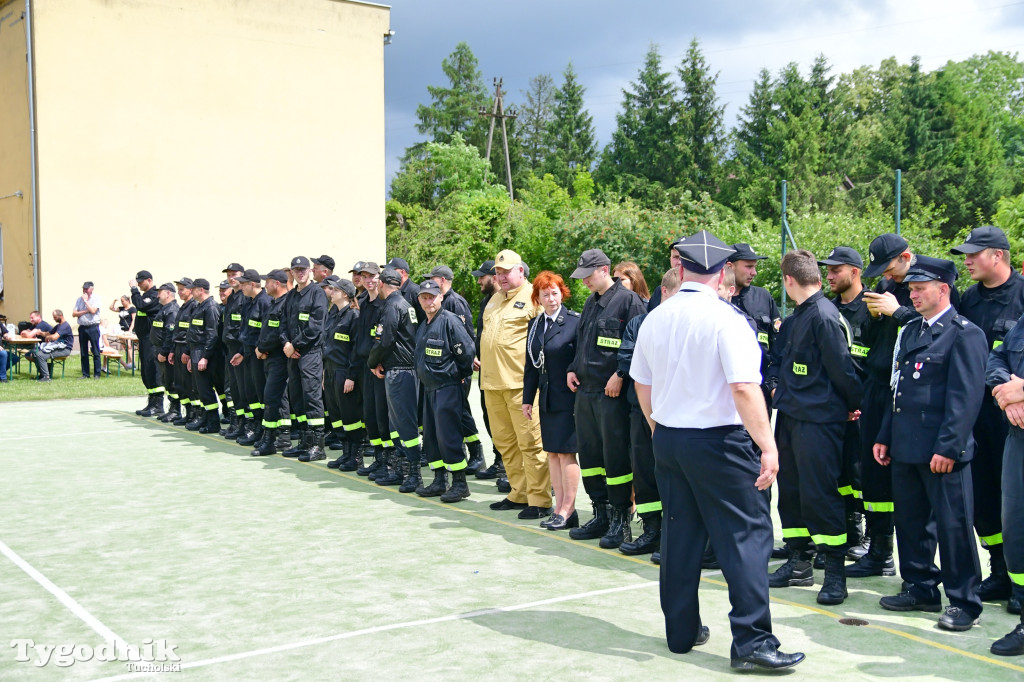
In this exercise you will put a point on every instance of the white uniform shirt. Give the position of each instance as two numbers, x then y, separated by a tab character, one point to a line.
689	349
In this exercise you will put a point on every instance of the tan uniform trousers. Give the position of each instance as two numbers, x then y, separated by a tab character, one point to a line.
518	441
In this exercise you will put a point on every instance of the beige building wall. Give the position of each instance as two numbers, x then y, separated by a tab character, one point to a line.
15	165
179	137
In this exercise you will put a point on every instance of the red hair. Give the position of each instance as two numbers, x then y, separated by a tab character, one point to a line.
546	280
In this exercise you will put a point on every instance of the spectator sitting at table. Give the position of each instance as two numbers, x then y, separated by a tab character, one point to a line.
126	318
56	344
36	326
6	359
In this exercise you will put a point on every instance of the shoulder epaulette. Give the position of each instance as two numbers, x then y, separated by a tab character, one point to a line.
573	313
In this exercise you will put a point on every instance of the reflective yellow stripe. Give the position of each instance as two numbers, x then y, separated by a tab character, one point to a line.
619	480
394	434
648	507
303	317
338	336
270	425
1017	578
606	342
316	421
373	331
183	325
140	313
829	540
859	351
762	337
990	540
255	323
437	464
594	471
337	424
471	439
795	533
375	441
158	323
878	506
412	442
211	408
157	389
799	369
352	427
198	322
458	466
236	317
301	418
434	352
846	490
273	323
996	344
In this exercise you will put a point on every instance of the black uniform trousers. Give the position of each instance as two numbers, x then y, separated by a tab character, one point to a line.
990	431
345	409
810	462
305	387
235	382
254	380
875	479
937	509
402	388
275	411
707	489
167	378
442	427
217	376
487	423
204	380
645	483
148	367
1013	509
470	433
849	475
182	379
602	433
375	410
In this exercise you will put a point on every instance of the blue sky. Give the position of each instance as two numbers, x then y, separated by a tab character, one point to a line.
606	41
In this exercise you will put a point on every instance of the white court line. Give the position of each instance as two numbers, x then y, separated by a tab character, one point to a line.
66	599
64	435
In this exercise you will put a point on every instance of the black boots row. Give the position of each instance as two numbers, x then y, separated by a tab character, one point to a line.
610	523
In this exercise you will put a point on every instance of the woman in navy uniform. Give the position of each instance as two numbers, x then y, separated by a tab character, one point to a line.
550	347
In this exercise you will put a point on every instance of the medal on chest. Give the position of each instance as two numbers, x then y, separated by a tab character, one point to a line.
917	369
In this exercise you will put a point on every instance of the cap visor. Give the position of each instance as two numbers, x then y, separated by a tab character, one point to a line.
831	262
967	248
876	269
580	273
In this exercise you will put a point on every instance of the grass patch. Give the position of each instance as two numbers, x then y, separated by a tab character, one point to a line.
25	387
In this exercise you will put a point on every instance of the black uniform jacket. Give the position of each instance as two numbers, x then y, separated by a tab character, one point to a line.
146	303
270	331
814	376
366	327
559	345
396	335
480	322
444	351
305	311
252	319
600	332
161	332
339	338
454	303
996	309
232	328
934	412
760	306
202	330
858	319
411	292
626	356
184	321
1005	359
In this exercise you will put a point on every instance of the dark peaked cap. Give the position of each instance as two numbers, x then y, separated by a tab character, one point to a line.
703	253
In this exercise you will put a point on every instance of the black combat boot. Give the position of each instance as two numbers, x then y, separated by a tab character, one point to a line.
459	489
476	457
250	433
496	469
234	429
619	530
796	572
353	457
595	527
342	459
331	438
649	540
315	446
437	487
297	427
997	585
299	447
283	439
211	423
1013	605
833	589
395	472
379	464
412	479
265	445
173	412
150	409
198	419
184	417
857	540
878	560
158	406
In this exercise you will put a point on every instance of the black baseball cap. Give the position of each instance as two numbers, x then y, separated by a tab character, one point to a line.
87	285
336	282
486	268
300	262
398	264
249	275
704	253
224	285
325	261
234	266
843	255
441	271
590	260
981	238
926	268
742	252
276	275
390	276
358	267
142	274
883	249
167	286
185	282
201	283
430	287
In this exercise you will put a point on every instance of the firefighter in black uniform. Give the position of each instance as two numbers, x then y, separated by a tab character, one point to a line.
844	266
182	375
270	351
926	440
231	329
253	374
444	363
302	336
375	402
602	411
816	391
342	376
485	279
146	302
203	345
409	290
994	304
391	359
220	361
756	302
645	483
161	335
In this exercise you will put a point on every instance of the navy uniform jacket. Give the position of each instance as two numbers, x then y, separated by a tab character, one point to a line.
858	319
161	332
366	327
202	330
232	327
184	322
599	335
994	309
339	335
252	319
396	334
411	292
816	379
626	355
760	306
270	341
934	414
1005	359
444	351
559	351
480	321
454	303
303	323
146	303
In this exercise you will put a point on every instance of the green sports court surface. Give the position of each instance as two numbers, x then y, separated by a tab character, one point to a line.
118	527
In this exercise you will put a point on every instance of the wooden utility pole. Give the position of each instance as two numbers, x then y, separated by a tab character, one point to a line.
498	112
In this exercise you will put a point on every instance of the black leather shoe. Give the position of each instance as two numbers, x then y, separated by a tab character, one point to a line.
561	523
546	522
656	558
504	486
780	552
796	572
907	601
1011	644
1013	604
532	512
703	636
957	619
507	504
766	657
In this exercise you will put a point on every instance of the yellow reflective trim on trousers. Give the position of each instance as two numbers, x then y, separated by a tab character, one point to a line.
223	396
270	425
375	441
172	396
255	406
240	411
210	408
388	443
829	540
317	421
286	422
337	424
846	490
186	401
795	533
990	540
471	439
437	464
878	506
411	442
858	495
156	389
648	507
394	435
606	342
353	427
301	418
619	480
593	471
1017	578
248	415
458	466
